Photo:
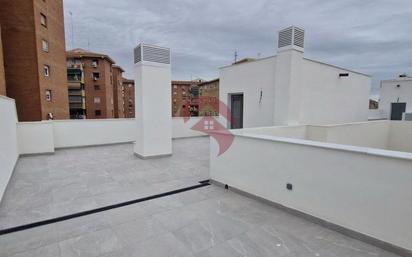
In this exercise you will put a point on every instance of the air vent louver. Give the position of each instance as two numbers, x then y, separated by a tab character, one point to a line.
299	37
292	36
285	37
151	54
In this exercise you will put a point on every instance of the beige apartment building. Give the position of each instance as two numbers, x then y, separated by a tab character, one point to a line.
34	57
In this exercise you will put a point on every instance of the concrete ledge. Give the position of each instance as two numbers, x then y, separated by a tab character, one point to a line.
35	154
345	231
93	145
145	157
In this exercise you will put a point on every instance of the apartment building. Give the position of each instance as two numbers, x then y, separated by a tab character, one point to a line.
209	98
118	95
185	98
97	82
129	98
2	76
34	57
77	93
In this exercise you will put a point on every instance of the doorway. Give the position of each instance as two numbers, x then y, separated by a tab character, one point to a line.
397	110
236	107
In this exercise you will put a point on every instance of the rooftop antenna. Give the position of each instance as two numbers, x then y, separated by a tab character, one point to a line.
88	37
72	30
235	55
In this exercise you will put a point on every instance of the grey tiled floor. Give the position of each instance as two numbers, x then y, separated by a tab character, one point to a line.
209	221
74	180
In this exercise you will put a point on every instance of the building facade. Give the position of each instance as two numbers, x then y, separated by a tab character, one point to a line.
118	94
2	76
288	89
34	57
185	98
209	98
396	97
77	93
97	79
129	98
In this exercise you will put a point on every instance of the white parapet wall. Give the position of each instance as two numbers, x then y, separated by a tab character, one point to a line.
8	141
45	136
182	128
74	133
35	137
363	189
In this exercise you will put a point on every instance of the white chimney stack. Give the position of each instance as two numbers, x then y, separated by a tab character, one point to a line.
153	101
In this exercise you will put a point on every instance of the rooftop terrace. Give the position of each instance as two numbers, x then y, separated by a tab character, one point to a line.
208	221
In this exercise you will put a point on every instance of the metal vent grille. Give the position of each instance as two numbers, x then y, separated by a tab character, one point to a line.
285	37
407	116
138	54
298	37
151	54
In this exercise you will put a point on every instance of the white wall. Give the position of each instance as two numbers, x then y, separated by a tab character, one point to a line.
72	133
182	129
35	137
400	136
358	190
251	78
8	141
389	93
373	134
45	136
377	114
279	131
328	99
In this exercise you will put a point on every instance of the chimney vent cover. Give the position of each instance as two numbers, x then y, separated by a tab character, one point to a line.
151	54
290	37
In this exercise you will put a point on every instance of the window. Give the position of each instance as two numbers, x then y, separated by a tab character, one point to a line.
97	100
43	20
45	45
48	95
97	112
96	87
95	62
46	70
96	75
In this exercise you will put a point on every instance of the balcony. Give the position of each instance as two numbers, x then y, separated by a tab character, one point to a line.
90	165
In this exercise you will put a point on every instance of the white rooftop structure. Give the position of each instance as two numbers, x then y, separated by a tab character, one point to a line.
288	88
396	98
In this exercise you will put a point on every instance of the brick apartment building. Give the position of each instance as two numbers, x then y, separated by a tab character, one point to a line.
195	98
96	80
185	97
209	98
119	111
2	76
129	98
34	58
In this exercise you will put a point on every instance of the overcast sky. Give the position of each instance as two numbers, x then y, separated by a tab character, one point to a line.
370	36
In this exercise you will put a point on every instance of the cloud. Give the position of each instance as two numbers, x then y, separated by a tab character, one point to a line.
371	36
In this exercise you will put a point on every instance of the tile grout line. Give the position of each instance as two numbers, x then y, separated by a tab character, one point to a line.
201	184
